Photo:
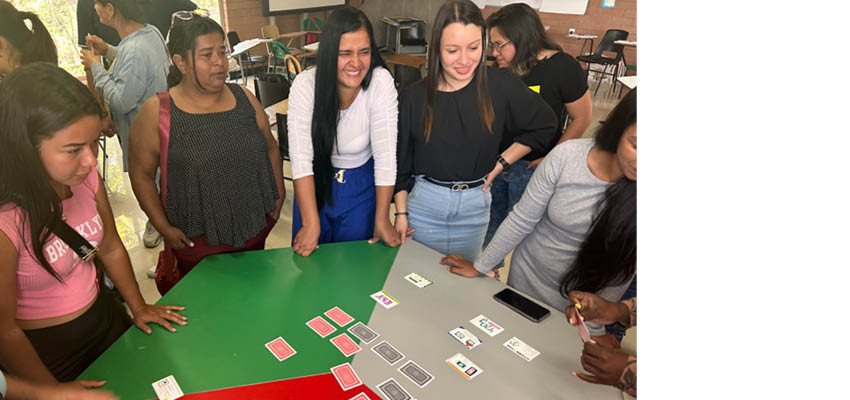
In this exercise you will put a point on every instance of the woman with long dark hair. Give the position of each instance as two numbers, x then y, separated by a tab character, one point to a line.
519	43
450	127
224	184
20	45
575	227
342	139
55	318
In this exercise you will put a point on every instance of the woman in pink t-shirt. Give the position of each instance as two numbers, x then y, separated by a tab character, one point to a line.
54	318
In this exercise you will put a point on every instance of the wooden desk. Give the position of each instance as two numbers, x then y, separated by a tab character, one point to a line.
585	38
406	60
289	37
281	107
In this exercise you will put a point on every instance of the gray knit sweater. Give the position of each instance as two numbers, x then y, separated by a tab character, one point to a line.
548	225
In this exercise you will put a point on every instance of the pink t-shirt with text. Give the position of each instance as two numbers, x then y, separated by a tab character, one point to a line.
40	295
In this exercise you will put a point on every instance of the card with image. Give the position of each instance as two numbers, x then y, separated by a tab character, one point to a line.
393	391
582	329
387	352
345	344
464	365
417	280
465	337
340	317
384	299
360	396
280	349
321	327
363	333
346	377
521	349
487	325
167	388
415	373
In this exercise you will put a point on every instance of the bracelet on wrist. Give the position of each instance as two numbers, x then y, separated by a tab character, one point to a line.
405	213
505	163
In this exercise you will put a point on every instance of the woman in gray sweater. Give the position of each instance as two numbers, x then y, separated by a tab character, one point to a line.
575	221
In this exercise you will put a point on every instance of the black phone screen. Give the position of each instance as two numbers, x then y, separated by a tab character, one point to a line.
522	305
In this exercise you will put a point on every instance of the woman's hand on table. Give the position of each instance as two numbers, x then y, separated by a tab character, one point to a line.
385	232
459	265
401	227
147	313
306	240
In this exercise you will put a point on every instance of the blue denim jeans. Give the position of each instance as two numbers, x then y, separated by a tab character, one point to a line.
449	221
507	189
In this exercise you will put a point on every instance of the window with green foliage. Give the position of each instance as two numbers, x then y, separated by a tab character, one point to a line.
60	18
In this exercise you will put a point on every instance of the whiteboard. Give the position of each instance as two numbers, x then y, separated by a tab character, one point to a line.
272	7
578	7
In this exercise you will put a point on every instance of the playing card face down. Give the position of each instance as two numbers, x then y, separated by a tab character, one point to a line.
338	316
345	344
387	352
280	349
346	377
321	327
363	332
393	391
415	373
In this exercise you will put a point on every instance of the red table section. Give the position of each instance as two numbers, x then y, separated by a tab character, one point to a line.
322	386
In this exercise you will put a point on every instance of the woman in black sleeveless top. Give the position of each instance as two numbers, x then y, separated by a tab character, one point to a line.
225	186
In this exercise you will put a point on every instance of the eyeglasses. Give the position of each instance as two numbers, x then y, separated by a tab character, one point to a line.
188	15
498	46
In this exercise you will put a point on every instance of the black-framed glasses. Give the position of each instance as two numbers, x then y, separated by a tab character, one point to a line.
188	15
498	46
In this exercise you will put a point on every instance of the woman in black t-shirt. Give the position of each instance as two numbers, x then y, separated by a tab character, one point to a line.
519	42
451	125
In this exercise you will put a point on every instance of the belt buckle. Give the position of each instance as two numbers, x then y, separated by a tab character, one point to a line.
459	186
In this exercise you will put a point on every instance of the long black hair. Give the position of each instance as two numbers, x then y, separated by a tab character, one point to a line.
608	255
465	12
36	101
181	40
522	26
28	46
132	10
326	97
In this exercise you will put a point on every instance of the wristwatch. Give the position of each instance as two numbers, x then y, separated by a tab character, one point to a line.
505	163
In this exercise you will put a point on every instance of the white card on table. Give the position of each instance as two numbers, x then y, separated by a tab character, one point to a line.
384	299
463	365
167	388
418	280
521	349
487	325
465	337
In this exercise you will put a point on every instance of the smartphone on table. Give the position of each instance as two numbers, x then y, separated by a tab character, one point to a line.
522	305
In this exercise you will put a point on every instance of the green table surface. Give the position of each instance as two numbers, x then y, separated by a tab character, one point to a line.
235	303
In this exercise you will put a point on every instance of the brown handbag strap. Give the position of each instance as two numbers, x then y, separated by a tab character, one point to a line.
164	130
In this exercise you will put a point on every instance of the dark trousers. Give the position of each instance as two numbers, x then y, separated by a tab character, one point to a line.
188	257
68	349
